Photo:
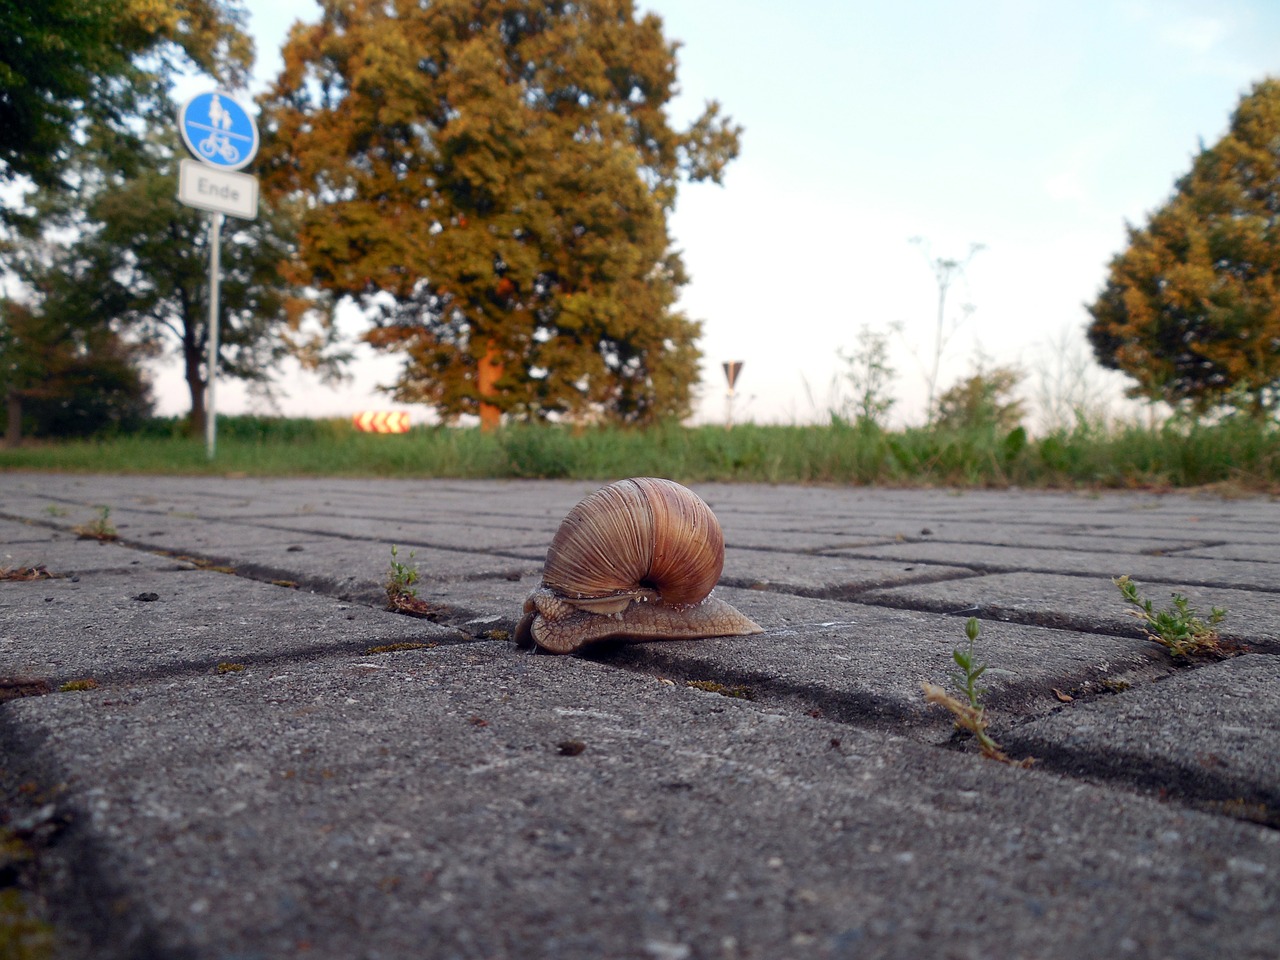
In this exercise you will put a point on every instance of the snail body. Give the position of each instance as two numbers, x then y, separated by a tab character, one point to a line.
636	560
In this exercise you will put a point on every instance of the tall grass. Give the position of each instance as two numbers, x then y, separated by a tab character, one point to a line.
1239	453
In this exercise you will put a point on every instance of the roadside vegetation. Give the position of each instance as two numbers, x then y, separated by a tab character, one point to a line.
1177	628
1236	455
964	703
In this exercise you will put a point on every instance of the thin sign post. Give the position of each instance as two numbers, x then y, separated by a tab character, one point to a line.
223	136
215	256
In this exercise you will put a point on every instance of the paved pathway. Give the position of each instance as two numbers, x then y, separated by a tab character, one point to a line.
271	765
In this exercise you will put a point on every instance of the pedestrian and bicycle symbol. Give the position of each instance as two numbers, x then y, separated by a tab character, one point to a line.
218	131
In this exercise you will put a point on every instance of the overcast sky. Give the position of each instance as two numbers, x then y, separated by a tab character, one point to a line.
1034	127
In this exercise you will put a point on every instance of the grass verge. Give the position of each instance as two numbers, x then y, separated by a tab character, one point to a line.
1235	455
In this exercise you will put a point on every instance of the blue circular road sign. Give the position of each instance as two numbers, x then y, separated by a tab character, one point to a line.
218	131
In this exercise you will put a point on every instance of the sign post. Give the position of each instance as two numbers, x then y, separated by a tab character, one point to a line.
211	364
222	135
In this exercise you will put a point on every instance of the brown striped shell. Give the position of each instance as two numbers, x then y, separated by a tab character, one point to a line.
637	538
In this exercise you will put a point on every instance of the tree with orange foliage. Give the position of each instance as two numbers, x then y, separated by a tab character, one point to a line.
490	180
1191	310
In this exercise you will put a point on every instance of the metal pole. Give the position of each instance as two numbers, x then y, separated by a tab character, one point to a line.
211	412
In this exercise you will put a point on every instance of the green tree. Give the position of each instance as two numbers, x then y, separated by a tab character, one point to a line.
140	265
983	400
69	66
1191	309
65	376
491	180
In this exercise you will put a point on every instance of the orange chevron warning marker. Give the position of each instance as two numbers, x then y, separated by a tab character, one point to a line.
381	421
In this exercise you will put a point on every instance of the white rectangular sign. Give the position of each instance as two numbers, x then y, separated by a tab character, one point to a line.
206	187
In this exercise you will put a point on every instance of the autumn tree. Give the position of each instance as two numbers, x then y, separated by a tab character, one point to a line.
139	265
490	180
1191	309
74	72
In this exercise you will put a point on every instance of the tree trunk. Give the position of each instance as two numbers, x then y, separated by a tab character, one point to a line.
195	384
13	425
489	369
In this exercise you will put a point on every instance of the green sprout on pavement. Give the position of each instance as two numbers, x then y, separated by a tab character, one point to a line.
402	597
967	708
401	576
1178	628
99	529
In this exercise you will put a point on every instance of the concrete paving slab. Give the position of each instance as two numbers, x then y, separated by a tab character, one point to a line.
472	604
1208	733
1090	604
1000	518
454	533
824	576
248	499
477	802
81	496
359	568
997	559
890	522
183	530
1257	552
742	533
18	531
68	556
1054	536
182	534
864	665
114	629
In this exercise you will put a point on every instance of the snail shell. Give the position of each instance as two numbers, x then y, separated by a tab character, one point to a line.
636	559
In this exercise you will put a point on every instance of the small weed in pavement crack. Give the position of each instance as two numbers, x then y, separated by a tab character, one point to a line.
970	713
100	529
398	647
1177	628
78	686
738	693
401	595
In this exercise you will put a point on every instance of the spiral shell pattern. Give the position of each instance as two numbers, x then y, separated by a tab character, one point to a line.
633	536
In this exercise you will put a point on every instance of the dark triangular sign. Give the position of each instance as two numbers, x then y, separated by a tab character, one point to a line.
731	371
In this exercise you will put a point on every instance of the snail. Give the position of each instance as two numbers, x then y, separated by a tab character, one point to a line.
635	560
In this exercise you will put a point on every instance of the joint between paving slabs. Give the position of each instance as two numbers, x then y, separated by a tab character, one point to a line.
1166	780
120	680
452	615
980	568
844	593
867	712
